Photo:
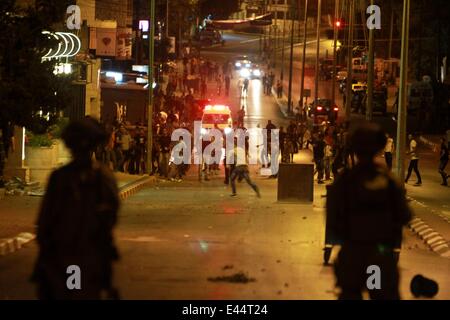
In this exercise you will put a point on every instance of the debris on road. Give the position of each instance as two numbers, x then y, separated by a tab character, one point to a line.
18	187
239	277
227	267
36	193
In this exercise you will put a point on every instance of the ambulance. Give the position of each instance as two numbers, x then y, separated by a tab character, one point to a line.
219	115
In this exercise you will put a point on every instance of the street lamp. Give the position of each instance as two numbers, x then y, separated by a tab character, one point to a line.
291	61
348	91
370	74
302	80
151	56
316	85
401	123
167	19
337	25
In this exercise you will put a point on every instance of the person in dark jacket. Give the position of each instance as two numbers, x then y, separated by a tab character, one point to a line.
76	220
443	160
366	210
319	155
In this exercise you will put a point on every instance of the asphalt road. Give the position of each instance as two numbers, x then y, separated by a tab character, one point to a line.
176	238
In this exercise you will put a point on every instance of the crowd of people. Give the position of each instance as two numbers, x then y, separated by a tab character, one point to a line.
179	107
196	73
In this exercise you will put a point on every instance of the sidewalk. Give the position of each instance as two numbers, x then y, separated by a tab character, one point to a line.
17	221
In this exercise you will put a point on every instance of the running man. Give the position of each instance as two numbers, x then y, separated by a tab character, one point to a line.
240	170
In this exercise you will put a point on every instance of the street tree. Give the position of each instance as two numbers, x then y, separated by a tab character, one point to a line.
30	93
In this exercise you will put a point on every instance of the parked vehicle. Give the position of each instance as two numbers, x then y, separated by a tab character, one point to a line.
341	76
358	87
208	37
323	110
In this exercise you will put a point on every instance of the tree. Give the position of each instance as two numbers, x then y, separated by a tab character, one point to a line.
28	87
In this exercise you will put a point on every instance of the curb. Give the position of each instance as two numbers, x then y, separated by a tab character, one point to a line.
133	187
11	245
430	237
281	106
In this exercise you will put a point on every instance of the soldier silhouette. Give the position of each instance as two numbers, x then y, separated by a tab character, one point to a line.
366	210
76	218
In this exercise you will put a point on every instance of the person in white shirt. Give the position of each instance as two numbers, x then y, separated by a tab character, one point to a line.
125	141
176	161
388	151
240	169
414	161
328	160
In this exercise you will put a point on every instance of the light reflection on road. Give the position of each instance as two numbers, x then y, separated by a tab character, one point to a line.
256	94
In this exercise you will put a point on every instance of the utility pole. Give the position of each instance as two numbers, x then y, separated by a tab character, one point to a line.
316	85
335	36
348	91
391	35
265	28
370	73
402	114
180	46
260	43
302	80
275	32
282	48
151	56
167	18
291	61
270	42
